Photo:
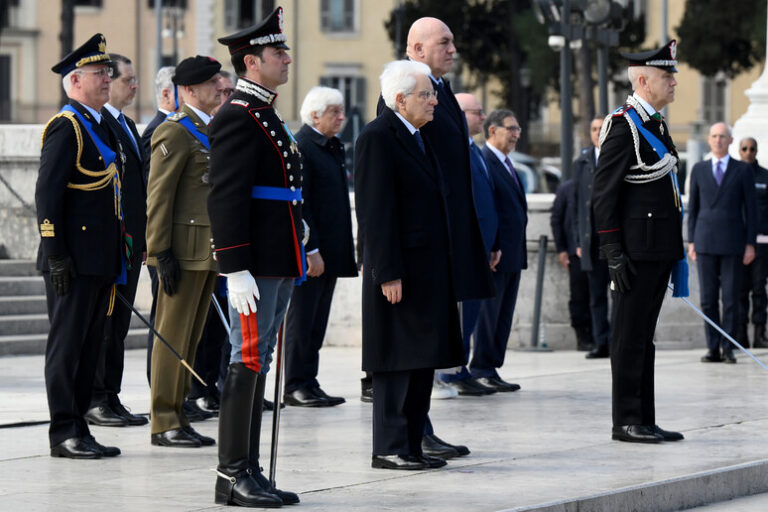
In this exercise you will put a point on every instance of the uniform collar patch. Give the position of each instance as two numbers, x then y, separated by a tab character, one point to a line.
254	89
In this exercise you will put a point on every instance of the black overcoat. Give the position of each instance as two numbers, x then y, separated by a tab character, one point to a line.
584	220
400	200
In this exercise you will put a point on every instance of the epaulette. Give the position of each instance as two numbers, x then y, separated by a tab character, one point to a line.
621	110
73	120
177	116
240	102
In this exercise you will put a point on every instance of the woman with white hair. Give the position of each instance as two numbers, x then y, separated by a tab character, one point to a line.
330	249
410	319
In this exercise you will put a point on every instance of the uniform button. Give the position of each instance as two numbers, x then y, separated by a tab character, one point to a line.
211	240
290	177
295	202
650	214
265	123
287	166
258	115
285	153
293	189
191	221
272	133
279	143
99	158
302	200
83	228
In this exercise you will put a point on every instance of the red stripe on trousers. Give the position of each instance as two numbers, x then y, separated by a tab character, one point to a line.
249	329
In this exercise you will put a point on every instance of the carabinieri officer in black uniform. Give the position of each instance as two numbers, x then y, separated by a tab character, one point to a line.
255	212
638	214
80	216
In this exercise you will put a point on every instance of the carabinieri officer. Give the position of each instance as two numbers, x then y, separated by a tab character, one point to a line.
255	210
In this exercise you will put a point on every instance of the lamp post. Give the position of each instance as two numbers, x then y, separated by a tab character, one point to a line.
566	92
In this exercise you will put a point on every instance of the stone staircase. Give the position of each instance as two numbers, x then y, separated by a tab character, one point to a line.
23	314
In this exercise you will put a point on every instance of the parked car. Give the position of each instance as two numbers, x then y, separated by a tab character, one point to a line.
537	175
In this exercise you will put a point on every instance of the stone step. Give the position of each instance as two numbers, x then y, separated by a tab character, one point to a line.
38	324
18	268
24	285
22	304
34	344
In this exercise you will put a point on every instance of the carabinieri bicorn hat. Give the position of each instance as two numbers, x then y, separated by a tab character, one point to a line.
267	33
664	57
93	51
195	70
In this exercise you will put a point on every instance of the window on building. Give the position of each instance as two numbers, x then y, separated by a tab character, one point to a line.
337	15
713	99
353	89
88	3
168	3
244	13
5	88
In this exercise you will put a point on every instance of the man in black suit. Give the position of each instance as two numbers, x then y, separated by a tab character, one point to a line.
330	250
79	213
754	277
638	215
106	409
586	239
495	322
410	319
722	229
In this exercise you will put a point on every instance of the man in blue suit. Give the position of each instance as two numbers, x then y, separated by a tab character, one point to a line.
485	206
501	132
722	229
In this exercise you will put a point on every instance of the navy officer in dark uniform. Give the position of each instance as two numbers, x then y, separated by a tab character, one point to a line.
255	211
638	214
79	212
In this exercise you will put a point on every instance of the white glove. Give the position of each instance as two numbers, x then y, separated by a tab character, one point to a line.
243	292
306	232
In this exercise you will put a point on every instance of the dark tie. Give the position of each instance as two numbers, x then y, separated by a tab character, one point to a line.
512	171
419	141
719	172
121	120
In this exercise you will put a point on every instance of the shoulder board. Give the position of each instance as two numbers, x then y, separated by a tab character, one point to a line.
177	116
72	118
240	102
620	111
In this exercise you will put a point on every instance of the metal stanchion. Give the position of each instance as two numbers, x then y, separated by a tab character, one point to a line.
535	323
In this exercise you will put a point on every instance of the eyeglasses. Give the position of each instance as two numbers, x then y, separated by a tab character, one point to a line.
100	73
513	128
130	81
425	94
476	111
751	149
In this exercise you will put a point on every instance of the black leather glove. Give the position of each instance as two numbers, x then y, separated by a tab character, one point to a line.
62	271
169	270
619	266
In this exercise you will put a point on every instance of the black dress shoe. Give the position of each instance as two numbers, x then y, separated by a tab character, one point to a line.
305	397
75	448
728	357
600	352
667	435
208	404
471	387
106	451
430	444
270	406
332	400
636	434
177	438
242	489
712	356
193	412
104	416
498	384
132	419
406	462
287	497
433	462
366	391
204	440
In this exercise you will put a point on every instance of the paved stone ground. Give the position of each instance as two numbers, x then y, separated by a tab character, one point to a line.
546	443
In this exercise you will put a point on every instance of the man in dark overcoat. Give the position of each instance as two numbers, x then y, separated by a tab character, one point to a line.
410	319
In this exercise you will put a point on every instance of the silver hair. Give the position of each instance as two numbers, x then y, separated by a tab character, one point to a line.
66	82
163	80
399	77
318	99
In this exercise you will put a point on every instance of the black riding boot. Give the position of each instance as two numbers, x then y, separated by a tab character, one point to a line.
235	485
288	498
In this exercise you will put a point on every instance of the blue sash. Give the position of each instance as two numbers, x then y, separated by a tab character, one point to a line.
187	123
680	269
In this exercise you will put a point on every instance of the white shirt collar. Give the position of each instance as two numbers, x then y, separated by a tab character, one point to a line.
112	110
724	160
205	118
408	125
597	153
95	113
166	112
646	106
436	80
501	156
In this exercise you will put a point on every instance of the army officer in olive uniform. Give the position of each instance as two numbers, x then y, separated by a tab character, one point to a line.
178	244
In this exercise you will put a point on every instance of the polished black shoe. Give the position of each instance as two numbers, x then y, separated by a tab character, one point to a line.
433	462
104	416
193	412
498	384
729	357
287	497
305	397
106	451
176	438
430	443
208	404
712	356
406	462
270	406
76	448
667	435
600	352
471	387
366	391
132	419
204	440
332	400
242	489
636	434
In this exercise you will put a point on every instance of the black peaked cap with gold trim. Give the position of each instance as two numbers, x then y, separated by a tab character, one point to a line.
93	51
267	33
664	57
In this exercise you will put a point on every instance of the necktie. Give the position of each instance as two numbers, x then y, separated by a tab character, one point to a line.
512	171
719	172
419	141
121	120
656	116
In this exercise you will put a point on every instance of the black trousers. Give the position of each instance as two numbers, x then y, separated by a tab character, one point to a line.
720	273
306	322
599	282
155	280
109	371
578	301
209	352
400	406
753	281
71	354
494	326
632	348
